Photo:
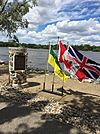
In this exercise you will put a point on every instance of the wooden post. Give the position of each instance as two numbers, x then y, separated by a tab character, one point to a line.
63	85
53	82
54	67
9	72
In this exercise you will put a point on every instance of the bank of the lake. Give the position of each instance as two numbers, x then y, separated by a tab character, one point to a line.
37	58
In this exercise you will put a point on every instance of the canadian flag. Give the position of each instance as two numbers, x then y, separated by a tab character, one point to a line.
69	62
63	56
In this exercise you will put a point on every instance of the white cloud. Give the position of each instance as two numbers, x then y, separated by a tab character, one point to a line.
83	29
50	29
3	37
21	32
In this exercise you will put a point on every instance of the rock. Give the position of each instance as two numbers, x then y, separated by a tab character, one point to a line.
53	108
88	80
97	81
2	62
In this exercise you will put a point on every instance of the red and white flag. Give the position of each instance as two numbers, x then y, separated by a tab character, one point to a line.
64	57
80	65
69	63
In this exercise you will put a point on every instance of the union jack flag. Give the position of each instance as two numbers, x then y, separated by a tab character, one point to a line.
86	66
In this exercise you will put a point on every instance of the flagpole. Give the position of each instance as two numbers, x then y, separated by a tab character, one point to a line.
54	68
53	82
8	75
63	85
46	67
62	88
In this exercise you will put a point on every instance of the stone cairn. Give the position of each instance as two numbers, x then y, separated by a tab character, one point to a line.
17	66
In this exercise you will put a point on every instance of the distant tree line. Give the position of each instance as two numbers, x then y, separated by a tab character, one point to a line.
83	47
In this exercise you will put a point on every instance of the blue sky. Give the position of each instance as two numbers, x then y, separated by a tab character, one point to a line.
74	21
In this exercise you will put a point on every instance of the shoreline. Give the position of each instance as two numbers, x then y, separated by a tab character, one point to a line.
33	75
4	69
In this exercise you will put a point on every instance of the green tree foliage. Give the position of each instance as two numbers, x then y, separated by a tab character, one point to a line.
11	15
82	47
87	47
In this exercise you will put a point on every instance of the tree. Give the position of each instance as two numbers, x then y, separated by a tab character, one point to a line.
11	15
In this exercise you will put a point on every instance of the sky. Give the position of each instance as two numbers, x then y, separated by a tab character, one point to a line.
74	21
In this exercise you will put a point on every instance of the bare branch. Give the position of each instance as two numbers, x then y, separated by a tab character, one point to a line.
3	8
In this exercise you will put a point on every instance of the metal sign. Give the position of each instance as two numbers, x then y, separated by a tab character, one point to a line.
19	62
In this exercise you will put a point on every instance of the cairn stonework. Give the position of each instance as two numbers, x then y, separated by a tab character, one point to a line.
17	66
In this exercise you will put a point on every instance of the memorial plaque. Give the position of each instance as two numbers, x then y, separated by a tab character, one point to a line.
19	62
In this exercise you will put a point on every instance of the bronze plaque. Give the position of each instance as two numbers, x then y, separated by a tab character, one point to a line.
19	62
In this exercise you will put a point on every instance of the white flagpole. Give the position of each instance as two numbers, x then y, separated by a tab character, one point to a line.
62	88
46	69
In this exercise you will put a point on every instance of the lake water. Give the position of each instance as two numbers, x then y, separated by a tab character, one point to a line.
37	58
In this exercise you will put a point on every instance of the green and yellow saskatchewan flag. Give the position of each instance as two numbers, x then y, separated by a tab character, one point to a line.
53	61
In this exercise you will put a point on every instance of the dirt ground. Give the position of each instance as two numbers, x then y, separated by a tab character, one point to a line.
35	83
75	93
